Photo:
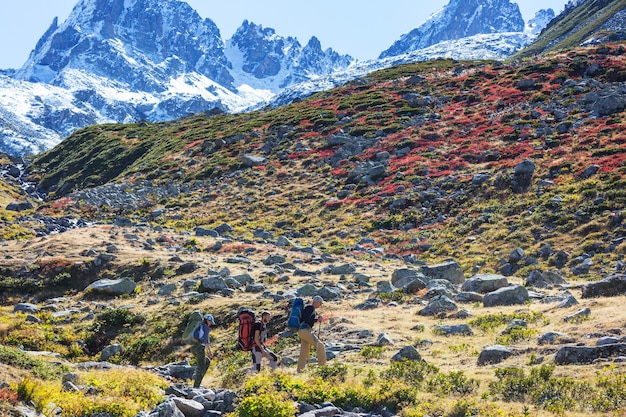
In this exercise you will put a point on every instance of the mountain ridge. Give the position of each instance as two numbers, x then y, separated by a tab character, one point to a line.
109	77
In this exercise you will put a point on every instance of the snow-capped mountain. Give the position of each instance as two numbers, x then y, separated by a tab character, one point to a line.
131	60
460	19
155	60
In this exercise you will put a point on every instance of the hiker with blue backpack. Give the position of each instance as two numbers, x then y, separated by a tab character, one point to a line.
259	350
308	318
201	349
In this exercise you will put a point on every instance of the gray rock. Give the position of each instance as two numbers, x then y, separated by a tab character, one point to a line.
253	160
493	355
580	314
213	284
516	255
122	286
405	275
612	286
26	308
344	269
438	305
166	409
460	329
469	297
110	351
189	408
514	294
167	289
19	206
385	287
255	288
544	279
201	231
567	355
485	283
408	352
450	271
554	338
384	340
607	340
283	241
568	302
274	259
244	279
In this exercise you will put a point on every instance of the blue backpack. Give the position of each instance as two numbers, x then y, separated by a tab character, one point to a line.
296	312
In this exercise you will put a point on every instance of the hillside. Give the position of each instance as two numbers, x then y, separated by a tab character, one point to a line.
386	196
418	158
592	22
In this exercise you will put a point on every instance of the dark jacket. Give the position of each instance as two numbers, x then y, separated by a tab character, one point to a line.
309	316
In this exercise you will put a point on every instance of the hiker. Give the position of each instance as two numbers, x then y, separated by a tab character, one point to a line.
202	350
307	338
259	350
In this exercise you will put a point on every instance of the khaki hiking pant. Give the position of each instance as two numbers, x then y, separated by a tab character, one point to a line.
308	339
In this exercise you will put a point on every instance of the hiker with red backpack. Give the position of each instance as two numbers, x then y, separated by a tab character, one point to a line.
259	350
308	318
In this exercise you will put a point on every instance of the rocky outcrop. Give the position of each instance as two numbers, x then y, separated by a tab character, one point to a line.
612	286
568	355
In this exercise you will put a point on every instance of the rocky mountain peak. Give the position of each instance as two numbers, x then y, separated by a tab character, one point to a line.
460	19
540	21
120	39
265	59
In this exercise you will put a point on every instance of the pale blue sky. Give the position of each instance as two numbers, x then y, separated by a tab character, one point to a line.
356	28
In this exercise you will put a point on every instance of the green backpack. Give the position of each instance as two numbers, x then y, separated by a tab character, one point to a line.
190	334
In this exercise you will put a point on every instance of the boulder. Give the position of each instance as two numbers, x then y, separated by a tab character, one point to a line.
26	308
554	338
459	329
437	306
449	271
493	354
612	286
568	355
484	283
514	294
213	284
189	408
408	352
122	286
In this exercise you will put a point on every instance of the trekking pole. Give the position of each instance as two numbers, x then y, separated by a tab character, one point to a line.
319	330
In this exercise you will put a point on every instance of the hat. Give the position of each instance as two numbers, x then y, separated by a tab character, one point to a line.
318	299
210	319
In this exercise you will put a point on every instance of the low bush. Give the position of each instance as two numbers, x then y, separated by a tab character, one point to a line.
119	394
19	359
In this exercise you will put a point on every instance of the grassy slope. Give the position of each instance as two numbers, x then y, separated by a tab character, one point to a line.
474	120
574	28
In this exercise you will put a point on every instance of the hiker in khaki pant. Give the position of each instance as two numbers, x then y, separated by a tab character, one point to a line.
307	338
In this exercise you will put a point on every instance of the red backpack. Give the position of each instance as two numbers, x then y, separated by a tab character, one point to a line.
245	341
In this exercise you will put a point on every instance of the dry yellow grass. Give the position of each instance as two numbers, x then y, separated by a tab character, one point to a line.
449	353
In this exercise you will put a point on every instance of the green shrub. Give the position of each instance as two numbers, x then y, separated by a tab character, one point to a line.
275	404
336	371
142	350
39	368
372	352
454	383
516	335
233	368
490	322
412	372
